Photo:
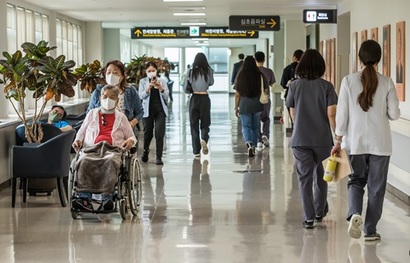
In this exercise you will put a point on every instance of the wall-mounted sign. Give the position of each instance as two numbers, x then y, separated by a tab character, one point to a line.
258	23
320	16
190	32
225	32
160	32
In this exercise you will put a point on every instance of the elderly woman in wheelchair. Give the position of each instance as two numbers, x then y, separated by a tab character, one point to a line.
104	135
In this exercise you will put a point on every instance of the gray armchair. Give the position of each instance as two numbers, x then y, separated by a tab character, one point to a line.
50	159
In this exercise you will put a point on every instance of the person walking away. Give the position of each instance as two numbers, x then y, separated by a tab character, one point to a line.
236	68
201	77
154	94
263	134
367	102
312	103
289	74
247	104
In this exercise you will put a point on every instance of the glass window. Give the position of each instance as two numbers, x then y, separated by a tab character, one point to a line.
24	25
29	26
46	28
69	43
172	54
135	48
218	59
38	27
125	47
11	28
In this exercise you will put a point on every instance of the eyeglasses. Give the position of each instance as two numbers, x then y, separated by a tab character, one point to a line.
103	121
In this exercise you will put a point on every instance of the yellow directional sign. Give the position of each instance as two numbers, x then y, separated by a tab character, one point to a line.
138	32
190	32
258	23
272	23
160	32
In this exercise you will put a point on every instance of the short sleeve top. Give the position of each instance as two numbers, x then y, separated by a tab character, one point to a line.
310	100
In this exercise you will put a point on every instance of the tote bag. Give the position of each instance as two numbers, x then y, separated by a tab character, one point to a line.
264	98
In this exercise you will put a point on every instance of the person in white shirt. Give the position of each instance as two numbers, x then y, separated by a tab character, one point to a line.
367	102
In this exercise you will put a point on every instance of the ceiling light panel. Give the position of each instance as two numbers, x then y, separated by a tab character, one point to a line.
182	0
193	24
192	20
185	8
189	14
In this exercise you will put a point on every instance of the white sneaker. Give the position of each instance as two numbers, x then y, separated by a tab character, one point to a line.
197	155
259	147
265	141
354	226
204	147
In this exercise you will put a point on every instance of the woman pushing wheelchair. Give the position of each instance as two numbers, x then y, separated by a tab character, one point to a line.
106	131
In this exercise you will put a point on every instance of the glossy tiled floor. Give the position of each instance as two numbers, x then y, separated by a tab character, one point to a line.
225	207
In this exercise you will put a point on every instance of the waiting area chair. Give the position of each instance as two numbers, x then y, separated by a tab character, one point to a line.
50	159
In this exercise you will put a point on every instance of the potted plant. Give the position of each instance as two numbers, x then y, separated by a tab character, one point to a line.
135	70
89	75
46	77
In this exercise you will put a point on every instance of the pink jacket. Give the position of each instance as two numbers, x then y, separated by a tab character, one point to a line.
91	128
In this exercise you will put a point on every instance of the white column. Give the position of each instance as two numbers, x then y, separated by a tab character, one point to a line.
93	41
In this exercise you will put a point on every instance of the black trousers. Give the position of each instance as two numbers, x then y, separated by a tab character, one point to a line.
155	120
200	119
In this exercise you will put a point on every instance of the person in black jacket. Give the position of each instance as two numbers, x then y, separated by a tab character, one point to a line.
289	74
236	67
290	70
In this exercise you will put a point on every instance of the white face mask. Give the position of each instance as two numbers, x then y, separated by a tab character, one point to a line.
108	104
151	74
112	79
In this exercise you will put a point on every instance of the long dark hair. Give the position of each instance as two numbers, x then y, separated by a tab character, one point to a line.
370	54
121	67
311	65
200	67
248	81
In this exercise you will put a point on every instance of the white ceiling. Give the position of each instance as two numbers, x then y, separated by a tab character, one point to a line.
127	14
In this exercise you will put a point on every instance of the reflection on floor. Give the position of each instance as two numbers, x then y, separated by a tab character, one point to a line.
224	207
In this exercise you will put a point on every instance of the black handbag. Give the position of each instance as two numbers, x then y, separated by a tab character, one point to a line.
188	85
188	88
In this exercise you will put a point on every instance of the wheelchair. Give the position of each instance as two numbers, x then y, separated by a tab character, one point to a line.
127	193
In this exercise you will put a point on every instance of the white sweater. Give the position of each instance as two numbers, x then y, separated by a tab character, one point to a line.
366	132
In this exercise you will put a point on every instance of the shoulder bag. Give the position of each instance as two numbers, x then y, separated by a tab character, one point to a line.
264	98
188	84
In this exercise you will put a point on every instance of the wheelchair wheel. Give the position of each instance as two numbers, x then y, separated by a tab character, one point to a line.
134	187
74	215
123	209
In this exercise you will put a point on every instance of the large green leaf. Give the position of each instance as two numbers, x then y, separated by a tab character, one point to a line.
12	93
59	62
69	64
48	65
7	55
38	51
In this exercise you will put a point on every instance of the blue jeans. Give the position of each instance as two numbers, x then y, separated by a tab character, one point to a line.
250	127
